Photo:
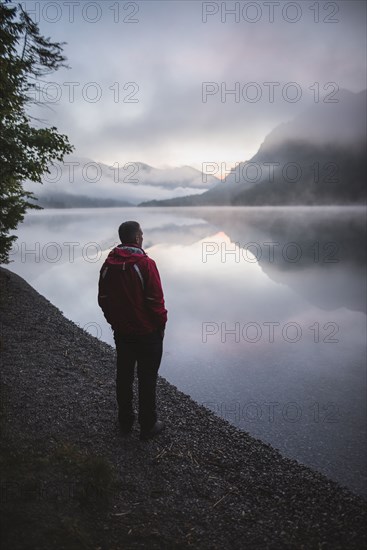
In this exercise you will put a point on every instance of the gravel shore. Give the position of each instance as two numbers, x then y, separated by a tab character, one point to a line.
69	480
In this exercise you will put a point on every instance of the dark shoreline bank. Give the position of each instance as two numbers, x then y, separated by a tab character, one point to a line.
70	481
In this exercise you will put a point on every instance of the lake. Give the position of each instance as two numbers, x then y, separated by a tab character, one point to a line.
266	313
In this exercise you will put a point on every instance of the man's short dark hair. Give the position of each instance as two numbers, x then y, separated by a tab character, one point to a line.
128	231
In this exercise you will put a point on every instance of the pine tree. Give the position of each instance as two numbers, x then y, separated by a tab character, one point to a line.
26	151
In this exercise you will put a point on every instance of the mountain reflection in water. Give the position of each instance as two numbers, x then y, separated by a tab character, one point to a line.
266	313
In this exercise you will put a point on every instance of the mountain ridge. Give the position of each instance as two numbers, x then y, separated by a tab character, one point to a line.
83	182
315	158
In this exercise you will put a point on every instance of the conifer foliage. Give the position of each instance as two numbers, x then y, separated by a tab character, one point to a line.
26	148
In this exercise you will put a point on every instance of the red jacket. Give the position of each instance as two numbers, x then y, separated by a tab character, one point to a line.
130	291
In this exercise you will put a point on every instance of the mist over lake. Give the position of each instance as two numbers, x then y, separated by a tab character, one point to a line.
266	313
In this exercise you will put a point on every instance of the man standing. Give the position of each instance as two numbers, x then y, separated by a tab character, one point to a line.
131	297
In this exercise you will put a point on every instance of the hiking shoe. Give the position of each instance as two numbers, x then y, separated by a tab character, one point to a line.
155	430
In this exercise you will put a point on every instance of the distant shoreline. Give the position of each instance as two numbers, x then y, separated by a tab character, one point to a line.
197	206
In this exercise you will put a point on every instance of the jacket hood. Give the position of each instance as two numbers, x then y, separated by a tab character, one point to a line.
126	253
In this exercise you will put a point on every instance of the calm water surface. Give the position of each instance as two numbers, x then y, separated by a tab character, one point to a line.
267	313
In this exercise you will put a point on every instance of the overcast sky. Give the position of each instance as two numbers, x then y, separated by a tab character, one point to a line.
138	72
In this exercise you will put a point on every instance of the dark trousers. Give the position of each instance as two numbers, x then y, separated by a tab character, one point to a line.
146	352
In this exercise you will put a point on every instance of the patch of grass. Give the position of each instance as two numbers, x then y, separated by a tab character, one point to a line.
53	500
94	474
72	534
